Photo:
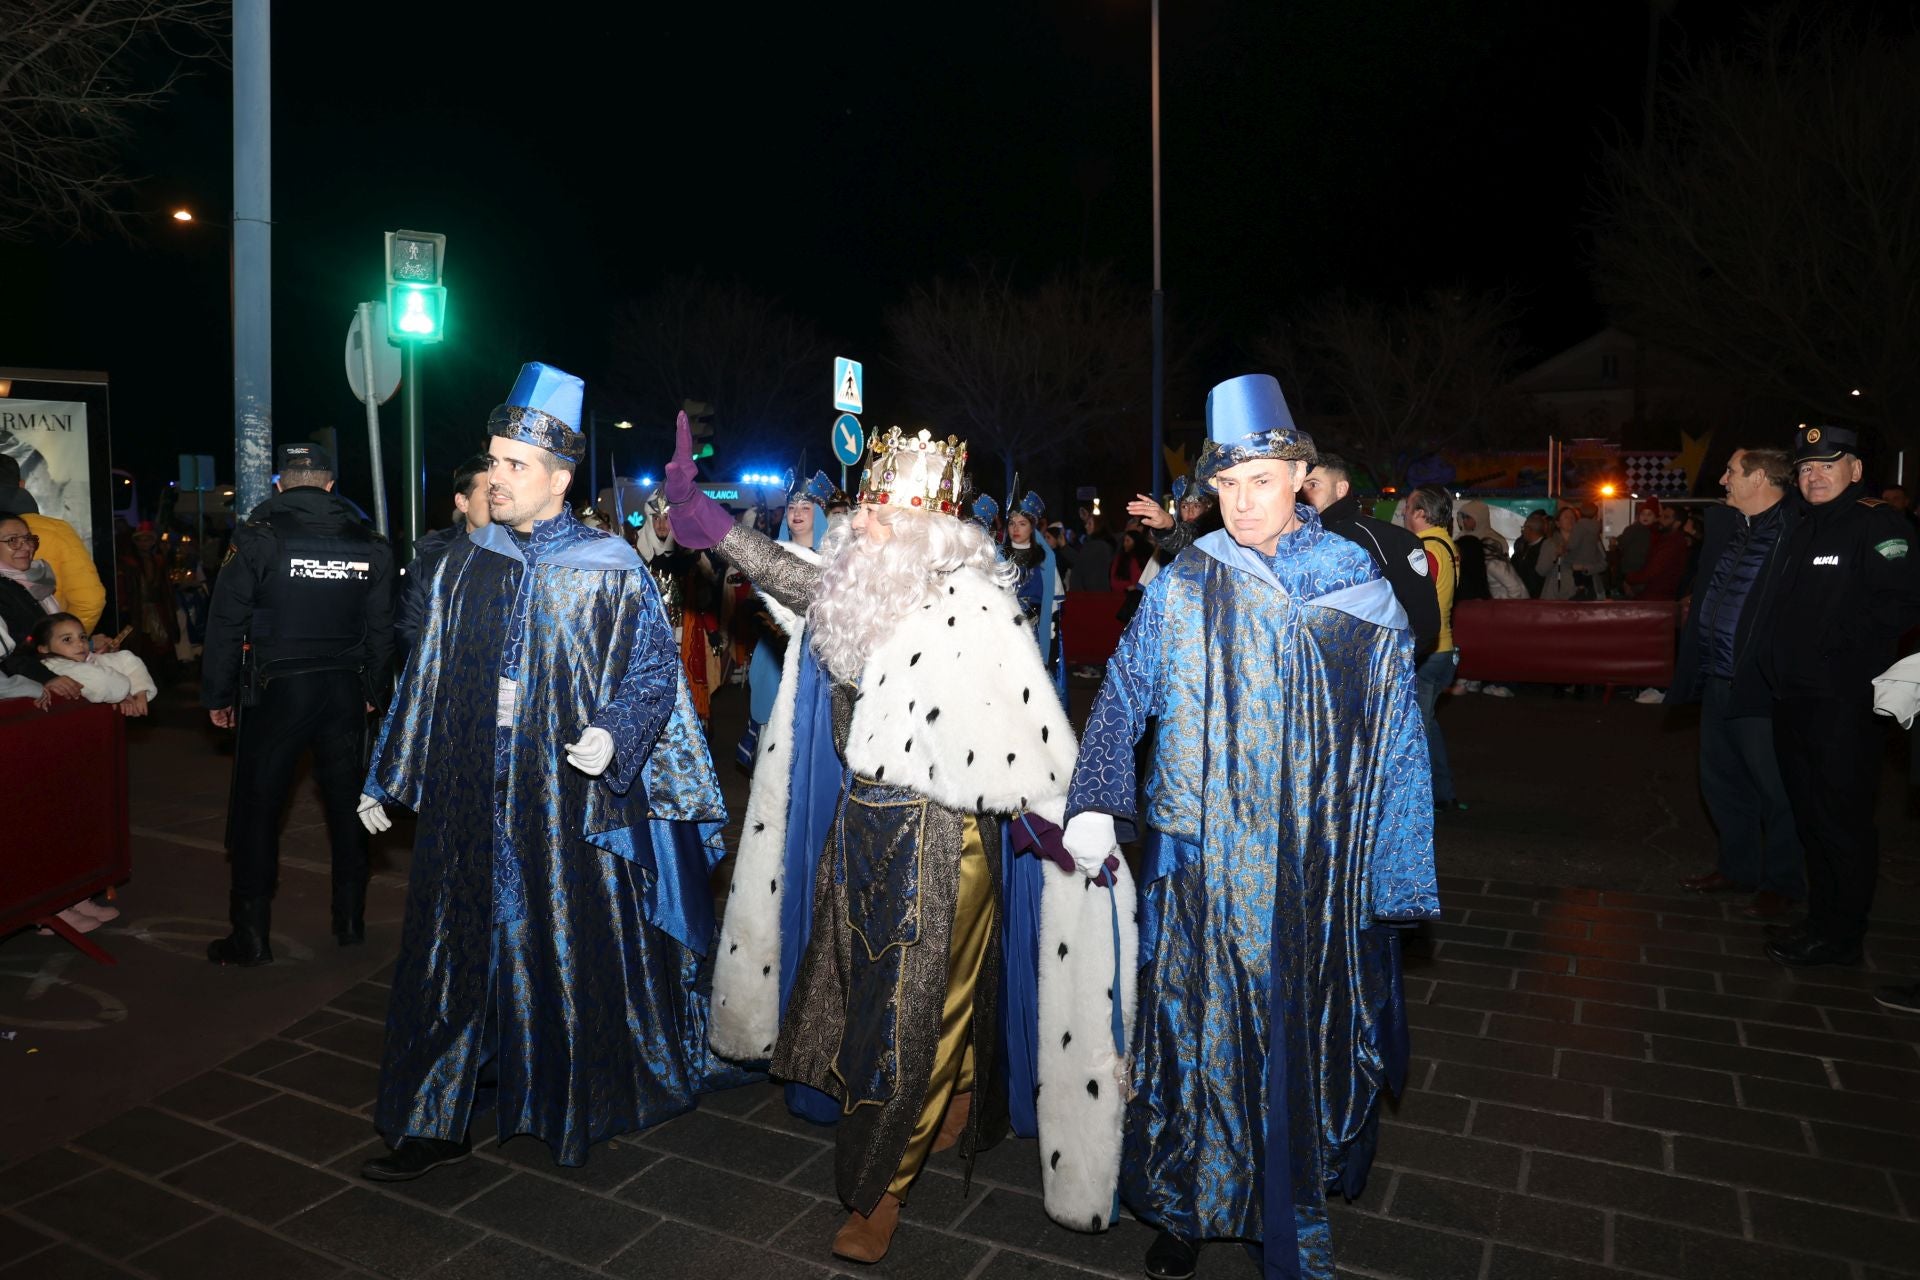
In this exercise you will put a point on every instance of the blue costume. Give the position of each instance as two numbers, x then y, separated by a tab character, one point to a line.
556	924
1287	817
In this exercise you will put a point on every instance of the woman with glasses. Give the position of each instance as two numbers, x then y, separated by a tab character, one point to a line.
26	596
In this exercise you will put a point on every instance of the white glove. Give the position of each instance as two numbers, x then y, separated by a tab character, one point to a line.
1089	838
373	815
593	753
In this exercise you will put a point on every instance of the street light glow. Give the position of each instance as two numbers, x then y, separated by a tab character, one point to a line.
1854	392
1607	491
186	215
624	426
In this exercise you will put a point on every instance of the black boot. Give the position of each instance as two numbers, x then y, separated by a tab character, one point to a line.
414	1157
350	913
1171	1258
247	944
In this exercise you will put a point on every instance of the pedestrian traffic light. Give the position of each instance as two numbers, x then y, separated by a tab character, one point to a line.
700	426
416	313
416	300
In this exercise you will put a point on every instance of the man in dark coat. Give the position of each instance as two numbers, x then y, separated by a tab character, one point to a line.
1850	586
1397	553
469	513
1718	666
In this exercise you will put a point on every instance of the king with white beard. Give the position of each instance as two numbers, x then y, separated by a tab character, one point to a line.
901	863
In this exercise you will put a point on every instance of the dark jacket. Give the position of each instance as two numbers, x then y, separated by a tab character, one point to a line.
415	580
21	612
1850	586
1402	561
310	585
1755	599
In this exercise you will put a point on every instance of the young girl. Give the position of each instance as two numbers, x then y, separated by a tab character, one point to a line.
61	641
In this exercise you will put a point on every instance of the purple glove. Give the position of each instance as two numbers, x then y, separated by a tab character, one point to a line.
1033	834
698	522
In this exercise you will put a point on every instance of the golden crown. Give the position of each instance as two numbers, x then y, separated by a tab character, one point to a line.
915	471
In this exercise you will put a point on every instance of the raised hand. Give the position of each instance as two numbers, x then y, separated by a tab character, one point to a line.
683	473
1151	513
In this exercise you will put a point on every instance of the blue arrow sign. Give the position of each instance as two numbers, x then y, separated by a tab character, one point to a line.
848	442
849	386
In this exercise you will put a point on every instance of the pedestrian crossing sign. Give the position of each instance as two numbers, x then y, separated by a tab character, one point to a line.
848	386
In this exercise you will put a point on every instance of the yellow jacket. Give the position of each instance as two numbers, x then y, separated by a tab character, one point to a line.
1442	548
75	580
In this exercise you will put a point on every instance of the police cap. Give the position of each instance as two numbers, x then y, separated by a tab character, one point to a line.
305	457
1824	444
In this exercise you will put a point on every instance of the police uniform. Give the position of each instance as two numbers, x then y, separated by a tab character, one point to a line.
1850	585
306	597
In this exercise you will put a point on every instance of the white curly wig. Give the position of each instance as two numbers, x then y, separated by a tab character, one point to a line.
866	587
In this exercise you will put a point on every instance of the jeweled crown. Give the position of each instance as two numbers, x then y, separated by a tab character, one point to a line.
915	471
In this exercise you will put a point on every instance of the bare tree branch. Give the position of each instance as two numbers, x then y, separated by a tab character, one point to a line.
1389	385
764	370
1770	226
72	75
1030	375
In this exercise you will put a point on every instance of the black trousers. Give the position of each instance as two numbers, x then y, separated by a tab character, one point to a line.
324	712
1829	751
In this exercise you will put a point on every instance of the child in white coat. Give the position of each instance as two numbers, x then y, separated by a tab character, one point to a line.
118	677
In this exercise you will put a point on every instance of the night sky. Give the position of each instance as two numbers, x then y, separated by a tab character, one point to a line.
832	156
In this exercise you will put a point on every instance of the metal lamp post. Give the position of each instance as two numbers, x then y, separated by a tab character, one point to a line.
1159	298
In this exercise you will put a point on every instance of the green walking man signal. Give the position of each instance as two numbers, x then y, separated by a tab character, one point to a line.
416	300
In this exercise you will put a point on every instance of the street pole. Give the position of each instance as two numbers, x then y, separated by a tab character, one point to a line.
593	459
373	419
252	256
416	475
1159	298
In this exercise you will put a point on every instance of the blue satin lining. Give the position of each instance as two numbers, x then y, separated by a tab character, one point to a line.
813	802
1020	879
677	898
604	552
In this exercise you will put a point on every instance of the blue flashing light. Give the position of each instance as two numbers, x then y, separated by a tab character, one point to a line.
646	481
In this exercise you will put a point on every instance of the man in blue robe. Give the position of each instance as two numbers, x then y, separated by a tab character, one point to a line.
557	910
1287	820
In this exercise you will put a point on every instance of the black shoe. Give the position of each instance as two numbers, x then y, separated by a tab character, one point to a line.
414	1157
1900	999
247	945
1809	952
1171	1258
1787	932
350	913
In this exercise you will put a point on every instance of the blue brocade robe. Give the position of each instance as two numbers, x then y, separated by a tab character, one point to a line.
556	925
1288	811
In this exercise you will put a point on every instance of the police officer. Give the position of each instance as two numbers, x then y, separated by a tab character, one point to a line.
1850	585
307	596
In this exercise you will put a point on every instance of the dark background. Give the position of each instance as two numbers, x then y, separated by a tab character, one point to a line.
832	157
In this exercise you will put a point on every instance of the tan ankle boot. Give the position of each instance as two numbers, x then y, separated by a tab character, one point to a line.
864	1238
959	1111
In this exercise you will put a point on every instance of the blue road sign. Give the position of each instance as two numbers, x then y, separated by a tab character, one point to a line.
848	442
849	386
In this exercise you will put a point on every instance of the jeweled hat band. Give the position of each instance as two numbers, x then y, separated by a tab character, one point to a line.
542	430
915	471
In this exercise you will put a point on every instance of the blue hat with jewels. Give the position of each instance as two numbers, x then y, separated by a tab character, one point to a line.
983	511
816	490
1032	507
1247	420
543	410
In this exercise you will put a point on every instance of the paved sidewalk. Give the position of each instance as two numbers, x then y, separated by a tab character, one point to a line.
1605	1084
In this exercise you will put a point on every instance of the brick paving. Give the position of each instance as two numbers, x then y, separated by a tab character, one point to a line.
1605	1084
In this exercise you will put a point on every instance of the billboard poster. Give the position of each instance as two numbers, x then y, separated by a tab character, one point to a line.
49	440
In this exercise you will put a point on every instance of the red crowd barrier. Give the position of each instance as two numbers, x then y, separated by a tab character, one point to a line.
65	789
1090	626
1629	643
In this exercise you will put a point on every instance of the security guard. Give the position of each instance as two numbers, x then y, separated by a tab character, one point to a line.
306	599
1850	585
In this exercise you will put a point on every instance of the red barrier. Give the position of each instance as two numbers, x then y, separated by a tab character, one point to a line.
1090	626
66	813
1607	642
